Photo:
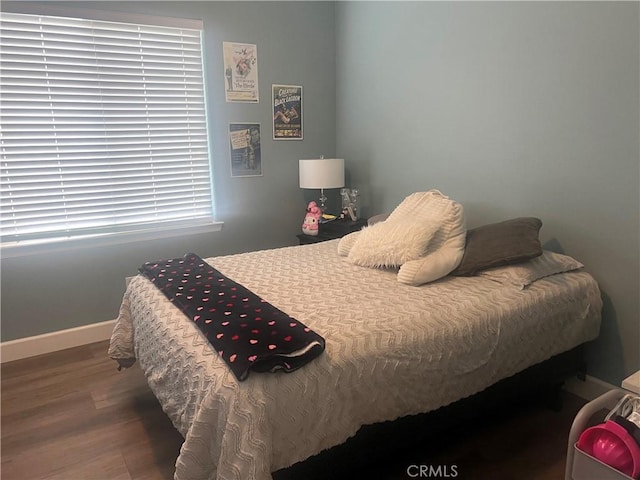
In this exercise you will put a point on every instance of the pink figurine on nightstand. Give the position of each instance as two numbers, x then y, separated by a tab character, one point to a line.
312	219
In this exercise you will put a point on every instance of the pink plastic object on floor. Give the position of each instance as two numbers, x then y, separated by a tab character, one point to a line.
610	443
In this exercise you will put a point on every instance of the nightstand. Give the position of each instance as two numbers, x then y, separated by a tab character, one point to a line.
332	230
632	383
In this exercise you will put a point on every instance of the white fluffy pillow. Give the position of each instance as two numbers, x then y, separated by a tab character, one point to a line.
424	236
391	244
524	274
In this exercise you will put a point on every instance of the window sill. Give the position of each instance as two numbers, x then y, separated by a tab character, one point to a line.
102	240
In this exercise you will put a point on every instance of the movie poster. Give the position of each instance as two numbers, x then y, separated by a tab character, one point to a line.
244	143
287	112
240	72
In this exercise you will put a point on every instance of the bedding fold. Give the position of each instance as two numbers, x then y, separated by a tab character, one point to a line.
248	333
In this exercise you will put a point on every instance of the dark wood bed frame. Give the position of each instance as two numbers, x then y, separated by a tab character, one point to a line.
539	383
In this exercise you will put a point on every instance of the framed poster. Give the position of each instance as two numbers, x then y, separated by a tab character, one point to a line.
240	72
287	112
244	145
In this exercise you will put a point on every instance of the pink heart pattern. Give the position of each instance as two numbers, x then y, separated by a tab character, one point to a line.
249	333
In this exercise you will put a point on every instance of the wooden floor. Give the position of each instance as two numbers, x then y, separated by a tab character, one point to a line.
71	415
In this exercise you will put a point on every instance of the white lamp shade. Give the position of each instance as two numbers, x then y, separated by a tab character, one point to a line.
322	173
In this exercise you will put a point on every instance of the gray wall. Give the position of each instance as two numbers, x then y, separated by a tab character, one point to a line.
296	45
513	109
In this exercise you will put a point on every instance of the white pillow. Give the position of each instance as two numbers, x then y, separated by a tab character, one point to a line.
524	274
390	244
346	242
426	222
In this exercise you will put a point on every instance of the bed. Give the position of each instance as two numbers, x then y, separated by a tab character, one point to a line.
392	351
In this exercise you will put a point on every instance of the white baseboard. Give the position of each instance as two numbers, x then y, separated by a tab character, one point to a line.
588	389
54	341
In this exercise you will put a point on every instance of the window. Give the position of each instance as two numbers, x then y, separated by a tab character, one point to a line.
103	128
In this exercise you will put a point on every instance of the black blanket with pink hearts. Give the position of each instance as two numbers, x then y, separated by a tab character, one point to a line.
246	331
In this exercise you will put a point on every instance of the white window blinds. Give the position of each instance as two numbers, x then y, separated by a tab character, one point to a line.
103	127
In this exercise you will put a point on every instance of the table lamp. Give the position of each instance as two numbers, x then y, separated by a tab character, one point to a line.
322	173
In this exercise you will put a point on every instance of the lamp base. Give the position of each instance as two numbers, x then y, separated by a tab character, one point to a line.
323	200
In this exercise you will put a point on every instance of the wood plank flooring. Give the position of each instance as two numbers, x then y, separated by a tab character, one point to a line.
71	415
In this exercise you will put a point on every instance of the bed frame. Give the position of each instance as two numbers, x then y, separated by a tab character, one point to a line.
258	431
538	383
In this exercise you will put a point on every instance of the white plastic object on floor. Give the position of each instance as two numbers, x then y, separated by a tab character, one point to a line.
581	466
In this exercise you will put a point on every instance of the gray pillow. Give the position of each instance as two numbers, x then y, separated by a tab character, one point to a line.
381	217
497	244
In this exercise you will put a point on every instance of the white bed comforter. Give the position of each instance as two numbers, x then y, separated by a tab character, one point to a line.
391	350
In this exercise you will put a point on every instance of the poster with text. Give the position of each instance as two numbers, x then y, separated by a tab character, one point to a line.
244	144
240	72
287	112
